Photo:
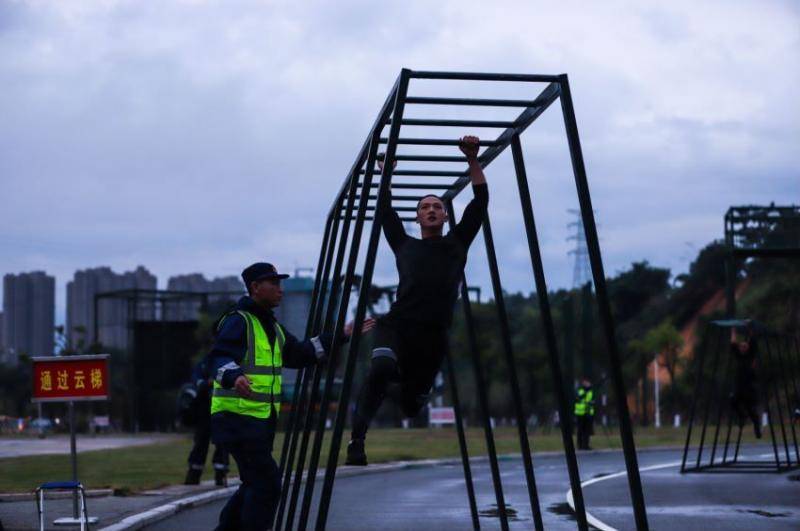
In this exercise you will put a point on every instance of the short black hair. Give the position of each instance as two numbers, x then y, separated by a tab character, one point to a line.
427	196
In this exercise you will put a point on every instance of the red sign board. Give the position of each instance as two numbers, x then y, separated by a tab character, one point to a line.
441	415
68	378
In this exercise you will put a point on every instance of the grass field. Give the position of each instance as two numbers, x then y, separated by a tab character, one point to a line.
147	467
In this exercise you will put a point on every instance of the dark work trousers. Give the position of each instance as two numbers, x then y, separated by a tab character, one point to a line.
406	357
584	426
202	437
252	507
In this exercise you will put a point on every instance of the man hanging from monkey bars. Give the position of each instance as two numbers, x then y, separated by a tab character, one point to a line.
411	341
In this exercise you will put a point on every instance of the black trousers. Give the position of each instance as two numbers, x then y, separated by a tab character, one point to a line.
584	428
252	507
202	438
406	357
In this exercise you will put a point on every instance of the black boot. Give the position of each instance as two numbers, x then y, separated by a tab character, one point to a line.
193	476
355	453
220	478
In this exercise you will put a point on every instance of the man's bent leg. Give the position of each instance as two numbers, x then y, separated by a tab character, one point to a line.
383	370
427	348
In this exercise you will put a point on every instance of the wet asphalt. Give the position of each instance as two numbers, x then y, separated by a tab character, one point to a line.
434	497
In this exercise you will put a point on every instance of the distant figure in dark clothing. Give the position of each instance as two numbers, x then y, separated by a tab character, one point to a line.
744	399
202	432
411	341
584	413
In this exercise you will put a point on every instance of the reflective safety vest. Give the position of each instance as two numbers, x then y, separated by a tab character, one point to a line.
262	365
584	404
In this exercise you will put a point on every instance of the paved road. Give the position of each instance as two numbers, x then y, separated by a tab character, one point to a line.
59	444
435	497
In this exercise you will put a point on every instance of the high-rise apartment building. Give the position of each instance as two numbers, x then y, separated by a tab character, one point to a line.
113	314
28	315
187	309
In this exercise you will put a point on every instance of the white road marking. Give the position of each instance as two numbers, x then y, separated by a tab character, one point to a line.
599	524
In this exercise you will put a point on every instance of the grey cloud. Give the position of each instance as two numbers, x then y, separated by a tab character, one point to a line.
198	136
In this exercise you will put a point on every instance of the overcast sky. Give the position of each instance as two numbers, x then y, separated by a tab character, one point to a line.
198	136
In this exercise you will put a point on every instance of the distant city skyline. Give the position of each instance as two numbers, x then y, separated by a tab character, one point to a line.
29	312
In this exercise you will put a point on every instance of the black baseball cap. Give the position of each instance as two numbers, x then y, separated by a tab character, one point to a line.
260	271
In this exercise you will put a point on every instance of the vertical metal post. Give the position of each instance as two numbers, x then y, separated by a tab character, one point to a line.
765	393
784	375
738	444
770	382
462	443
361	309
598	275
727	435
480	383
331	365
73	456
309	325
721	403
516	394
315	313
699	366
565	414
709	399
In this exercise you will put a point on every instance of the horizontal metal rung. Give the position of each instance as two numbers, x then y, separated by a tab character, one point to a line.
435	142
479	76
479	102
458	123
398	208
397	197
432	158
426	173
412	186
370	218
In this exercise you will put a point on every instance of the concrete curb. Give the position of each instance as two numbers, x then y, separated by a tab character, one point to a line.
162	512
137	521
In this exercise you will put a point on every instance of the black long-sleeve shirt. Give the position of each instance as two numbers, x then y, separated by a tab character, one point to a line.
431	269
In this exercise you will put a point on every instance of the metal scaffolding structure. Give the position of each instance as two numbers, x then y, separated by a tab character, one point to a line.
777	362
752	231
339	257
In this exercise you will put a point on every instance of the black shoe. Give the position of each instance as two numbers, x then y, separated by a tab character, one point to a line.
355	453
193	476
220	478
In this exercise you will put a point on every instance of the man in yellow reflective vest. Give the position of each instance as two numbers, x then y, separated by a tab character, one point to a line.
250	349
584	413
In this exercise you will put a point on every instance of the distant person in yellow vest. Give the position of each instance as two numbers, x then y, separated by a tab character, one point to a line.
584	413
249	351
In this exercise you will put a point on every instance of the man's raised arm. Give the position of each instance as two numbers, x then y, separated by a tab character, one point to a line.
389	219
470	223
